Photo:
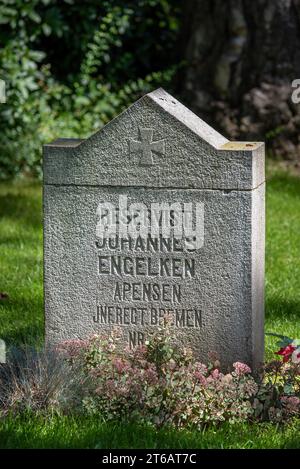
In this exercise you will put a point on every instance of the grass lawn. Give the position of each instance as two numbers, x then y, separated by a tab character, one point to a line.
88	432
21	320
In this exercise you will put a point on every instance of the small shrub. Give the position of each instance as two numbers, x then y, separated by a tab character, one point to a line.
158	383
38	380
70	68
278	396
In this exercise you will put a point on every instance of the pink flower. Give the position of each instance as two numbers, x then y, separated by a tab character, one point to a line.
151	376
296	355
201	368
286	352
199	376
120	365
71	348
291	403
241	368
215	374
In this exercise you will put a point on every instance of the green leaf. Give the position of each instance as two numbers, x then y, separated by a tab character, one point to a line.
284	339
46	29
288	389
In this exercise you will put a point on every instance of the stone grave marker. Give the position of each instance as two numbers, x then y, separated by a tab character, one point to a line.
156	215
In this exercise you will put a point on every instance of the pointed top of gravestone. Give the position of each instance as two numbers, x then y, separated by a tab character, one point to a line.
187	117
181	113
173	107
155	142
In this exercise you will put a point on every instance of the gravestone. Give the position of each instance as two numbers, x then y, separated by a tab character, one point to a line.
156	215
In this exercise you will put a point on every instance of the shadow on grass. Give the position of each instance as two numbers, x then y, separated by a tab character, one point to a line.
21	327
285	182
292	443
279	308
22	208
26	334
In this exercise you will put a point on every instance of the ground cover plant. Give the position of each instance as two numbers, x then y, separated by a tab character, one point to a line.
159	383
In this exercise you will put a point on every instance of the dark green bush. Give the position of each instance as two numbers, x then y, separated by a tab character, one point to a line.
71	66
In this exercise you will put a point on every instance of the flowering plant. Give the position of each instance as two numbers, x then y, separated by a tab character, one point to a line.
289	348
158	383
163	383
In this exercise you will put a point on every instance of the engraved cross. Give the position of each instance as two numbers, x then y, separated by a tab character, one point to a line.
145	146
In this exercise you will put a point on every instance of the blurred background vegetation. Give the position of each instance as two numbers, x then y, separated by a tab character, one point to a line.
71	66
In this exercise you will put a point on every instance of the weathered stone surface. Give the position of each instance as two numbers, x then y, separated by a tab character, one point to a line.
194	154
157	151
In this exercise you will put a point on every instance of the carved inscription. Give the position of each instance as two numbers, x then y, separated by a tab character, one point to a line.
148	275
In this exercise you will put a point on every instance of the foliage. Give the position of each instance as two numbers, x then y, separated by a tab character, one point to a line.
37	381
161	384
279	391
278	395
289	348
156	384
70	67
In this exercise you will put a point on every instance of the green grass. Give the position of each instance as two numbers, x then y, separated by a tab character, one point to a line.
83	432
21	266
283	256
21	320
